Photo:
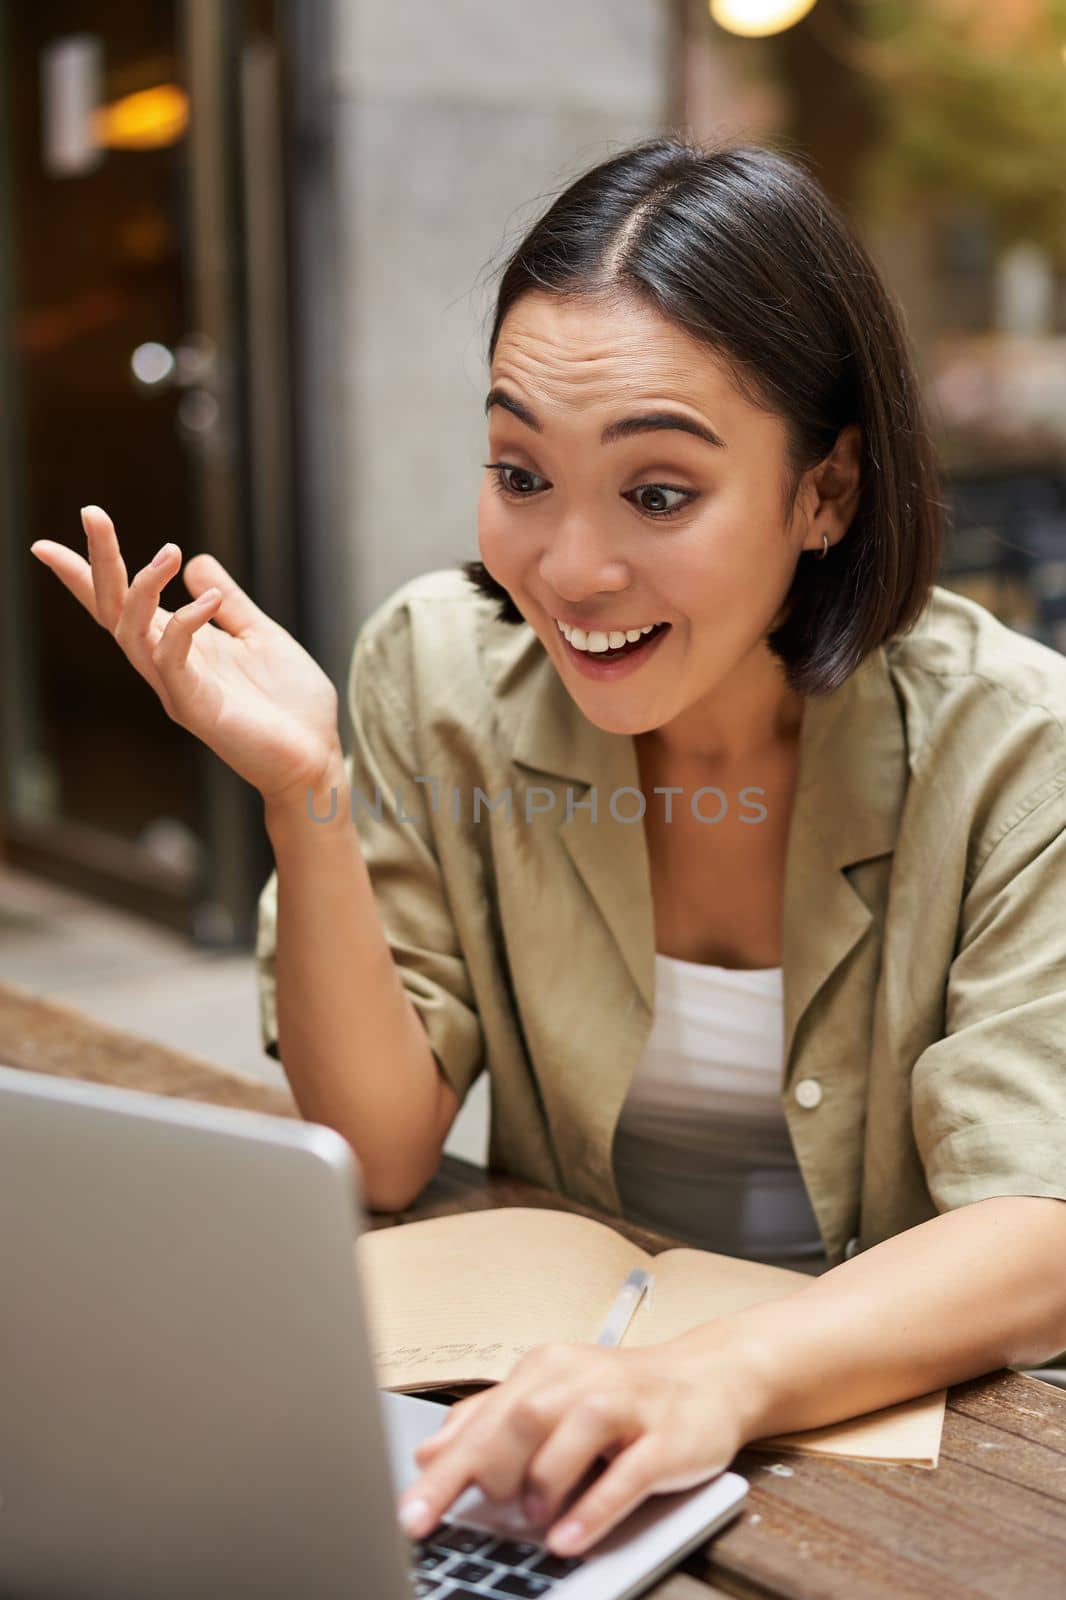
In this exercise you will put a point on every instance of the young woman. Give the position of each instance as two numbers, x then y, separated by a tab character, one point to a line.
731	844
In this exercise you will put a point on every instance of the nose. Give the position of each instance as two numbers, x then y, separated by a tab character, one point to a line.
579	561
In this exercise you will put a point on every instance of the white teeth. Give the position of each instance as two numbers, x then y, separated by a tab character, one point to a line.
596	641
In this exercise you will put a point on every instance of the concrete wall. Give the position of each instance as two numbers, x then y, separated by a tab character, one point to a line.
454	121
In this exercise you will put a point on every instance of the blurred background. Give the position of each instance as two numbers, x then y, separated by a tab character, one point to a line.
246	258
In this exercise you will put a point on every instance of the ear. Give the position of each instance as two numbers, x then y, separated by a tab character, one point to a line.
836	483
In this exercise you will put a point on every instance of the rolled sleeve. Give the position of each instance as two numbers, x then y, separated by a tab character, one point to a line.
988	1100
401	859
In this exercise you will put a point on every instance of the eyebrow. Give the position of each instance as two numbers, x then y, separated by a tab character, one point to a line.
624	428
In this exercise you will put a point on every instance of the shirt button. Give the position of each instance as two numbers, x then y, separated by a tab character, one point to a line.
808	1093
851	1248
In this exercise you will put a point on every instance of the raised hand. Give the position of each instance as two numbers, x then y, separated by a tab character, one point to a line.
220	666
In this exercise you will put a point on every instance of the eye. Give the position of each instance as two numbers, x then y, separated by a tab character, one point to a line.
662	489
518	483
504	485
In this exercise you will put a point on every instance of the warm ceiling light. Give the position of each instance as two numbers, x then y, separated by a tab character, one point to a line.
757	18
143	121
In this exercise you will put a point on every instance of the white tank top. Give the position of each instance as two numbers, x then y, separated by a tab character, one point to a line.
702	1149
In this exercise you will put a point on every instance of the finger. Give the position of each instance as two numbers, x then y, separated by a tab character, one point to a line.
589	1427
493	1451
72	570
238	611
142	621
170	655
109	576
634	1474
459	1415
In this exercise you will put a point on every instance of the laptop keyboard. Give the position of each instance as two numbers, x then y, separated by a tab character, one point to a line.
458	1562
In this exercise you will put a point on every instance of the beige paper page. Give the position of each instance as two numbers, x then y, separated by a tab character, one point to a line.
459	1299
694	1286
908	1433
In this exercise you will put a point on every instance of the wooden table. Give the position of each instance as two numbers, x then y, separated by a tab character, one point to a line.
989	1521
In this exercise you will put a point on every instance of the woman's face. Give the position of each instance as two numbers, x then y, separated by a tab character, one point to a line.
656	526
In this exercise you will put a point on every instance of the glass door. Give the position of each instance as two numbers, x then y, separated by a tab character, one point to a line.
123	381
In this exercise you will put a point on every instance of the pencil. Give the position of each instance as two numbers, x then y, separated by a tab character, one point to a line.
621	1315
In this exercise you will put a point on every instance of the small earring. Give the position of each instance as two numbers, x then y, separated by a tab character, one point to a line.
825	547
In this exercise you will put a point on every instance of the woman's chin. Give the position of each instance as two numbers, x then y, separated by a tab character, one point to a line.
615	719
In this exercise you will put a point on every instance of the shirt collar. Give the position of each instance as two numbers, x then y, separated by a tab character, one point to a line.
849	793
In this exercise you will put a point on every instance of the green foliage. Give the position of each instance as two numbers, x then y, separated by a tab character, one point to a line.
971	116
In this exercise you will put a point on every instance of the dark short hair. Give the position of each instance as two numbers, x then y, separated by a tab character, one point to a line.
741	247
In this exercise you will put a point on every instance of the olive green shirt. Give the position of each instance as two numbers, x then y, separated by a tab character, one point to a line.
924	938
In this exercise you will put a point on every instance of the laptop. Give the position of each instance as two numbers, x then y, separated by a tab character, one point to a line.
188	1402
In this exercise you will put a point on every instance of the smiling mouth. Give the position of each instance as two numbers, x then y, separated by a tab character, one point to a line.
631	647
608	644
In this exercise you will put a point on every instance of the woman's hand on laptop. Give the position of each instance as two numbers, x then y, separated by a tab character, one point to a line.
664	1419
244	687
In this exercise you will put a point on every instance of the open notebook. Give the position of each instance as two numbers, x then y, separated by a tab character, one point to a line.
458	1299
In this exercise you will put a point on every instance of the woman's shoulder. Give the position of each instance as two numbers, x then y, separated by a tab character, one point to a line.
984	706
956	637
959	660
438	641
432	603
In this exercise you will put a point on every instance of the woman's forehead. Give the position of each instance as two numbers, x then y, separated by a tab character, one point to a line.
582	351
582	328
